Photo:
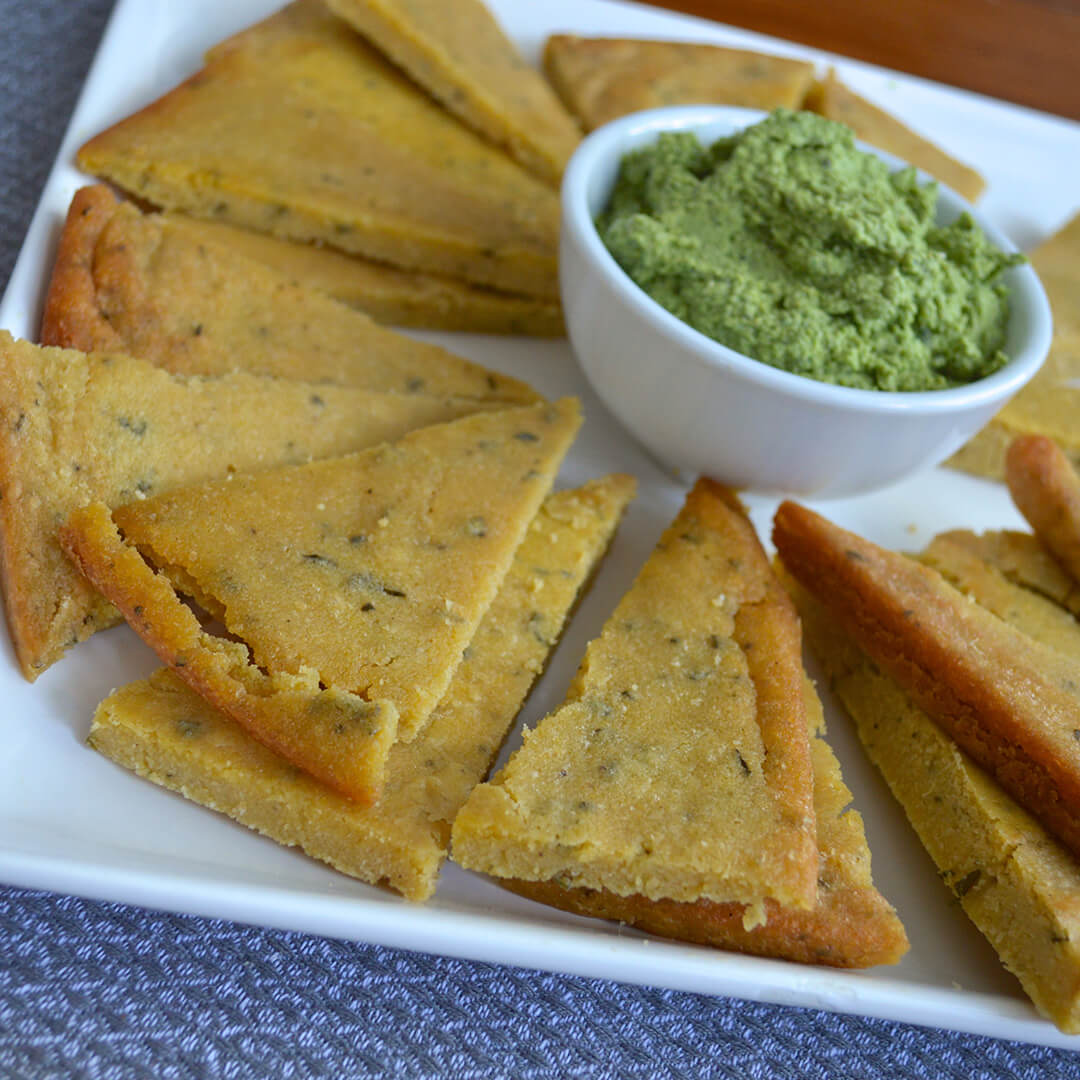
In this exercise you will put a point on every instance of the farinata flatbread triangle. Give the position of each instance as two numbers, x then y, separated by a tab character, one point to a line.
679	767
373	569
299	128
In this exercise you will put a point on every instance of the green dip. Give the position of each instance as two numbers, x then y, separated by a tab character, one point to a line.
788	244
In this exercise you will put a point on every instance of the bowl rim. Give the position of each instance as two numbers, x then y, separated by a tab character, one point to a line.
637	129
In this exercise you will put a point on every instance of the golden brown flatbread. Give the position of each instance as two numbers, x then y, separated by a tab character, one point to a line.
1008	701
600	79
851	926
458	52
164	731
373	569
75	428
1050	404
298	128
132	282
679	766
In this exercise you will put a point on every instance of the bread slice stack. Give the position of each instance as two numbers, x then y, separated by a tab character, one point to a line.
303	130
961	673
676	789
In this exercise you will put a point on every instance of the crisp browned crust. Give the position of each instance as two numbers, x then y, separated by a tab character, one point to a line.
767	631
851	926
1046	490
72	316
337	737
1011	703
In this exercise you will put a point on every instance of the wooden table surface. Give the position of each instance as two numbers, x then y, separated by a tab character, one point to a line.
1027	51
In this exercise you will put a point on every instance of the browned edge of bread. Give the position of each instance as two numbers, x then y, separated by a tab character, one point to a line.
1046	490
72	317
1006	700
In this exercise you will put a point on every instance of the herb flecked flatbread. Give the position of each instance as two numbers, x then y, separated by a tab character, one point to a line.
459	54
679	767
372	569
136	283
600	79
161	729
298	128
75	428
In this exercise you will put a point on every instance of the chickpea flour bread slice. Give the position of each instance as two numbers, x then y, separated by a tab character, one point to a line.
1050	403
679	766
1010	702
337	736
1016	883
133	282
1021	560
851	925
600	79
832	99
389	295
458	52
1015	600
1046	490
298	128
374	569
162	730
75	428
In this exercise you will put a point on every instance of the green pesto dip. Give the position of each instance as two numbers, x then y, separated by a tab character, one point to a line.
788	244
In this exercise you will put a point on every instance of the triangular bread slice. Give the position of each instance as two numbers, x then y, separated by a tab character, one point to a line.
337	736
132	282
1012	878
162	730
373	569
299	128
1008	701
389	295
600	79
75	428
832	99
679	766
1022	560
460	55
851	926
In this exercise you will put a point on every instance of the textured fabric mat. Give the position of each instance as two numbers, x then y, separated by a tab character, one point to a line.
107	991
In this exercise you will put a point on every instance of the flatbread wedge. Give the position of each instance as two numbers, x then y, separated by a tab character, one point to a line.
460	55
851	926
298	128
162	730
1050	404
679	766
1046	489
336	736
390	296
1016	883
1021	560
1008	701
832	99
1016	598
132	282
75	428
373	569
600	79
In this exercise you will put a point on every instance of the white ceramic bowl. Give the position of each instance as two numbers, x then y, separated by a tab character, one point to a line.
703	408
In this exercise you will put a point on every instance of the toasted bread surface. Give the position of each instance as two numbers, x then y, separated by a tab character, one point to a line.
298	128
458	52
161	729
679	765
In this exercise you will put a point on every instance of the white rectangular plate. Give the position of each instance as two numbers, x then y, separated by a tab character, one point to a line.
73	822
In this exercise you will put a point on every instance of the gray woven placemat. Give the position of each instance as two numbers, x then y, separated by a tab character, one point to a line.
104	990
